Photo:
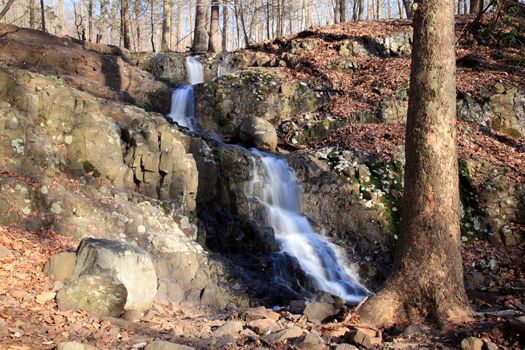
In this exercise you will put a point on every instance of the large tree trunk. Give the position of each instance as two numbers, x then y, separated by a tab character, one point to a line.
200	40
124	24
214	43
342	11
427	276
165	45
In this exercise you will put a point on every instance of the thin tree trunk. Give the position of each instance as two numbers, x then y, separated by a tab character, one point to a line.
178	30
427	277
407	4
475	7
152	25
336	11
389	9
225	15
43	15
167	11
342	11
32	14
400	9
214	42
379	9
361	9
90	20
138	33
61	17
124	24
6	8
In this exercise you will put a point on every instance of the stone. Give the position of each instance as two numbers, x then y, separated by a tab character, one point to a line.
164	345
264	326
229	328
61	266
345	346
98	295
4	332
128	264
18	293
365	338
471	343
45	297
318	312
491	346
297	306
257	132
132	315
310	342
258	313
73	345
5	252
518	324
289	333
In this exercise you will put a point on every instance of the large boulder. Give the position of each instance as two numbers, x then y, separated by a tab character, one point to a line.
128	264
98	295
257	132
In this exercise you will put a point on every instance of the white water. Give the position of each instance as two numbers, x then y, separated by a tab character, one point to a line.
276	188
183	100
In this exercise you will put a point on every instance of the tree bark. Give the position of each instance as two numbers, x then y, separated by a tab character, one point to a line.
475	7
200	40
6	8
124	24
407	4
32	14
214	43
152	25
43	15
90	20
167	11
342	11
427	277
225	15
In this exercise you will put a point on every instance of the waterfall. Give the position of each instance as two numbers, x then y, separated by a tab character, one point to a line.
183	99
274	185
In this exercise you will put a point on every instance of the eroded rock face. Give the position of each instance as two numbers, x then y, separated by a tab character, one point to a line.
225	102
95	71
127	264
98	295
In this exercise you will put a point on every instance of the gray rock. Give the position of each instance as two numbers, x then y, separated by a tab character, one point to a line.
98	295
258	313
289	333
61	266
318	312
345	346
229	328
518	324
264	326
310	342
366	338
164	345
297	306
471	343
259	133
73	345
128	264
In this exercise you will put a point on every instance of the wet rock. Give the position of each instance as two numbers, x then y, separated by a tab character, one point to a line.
61	266
128	264
73	345
471	343
310	342
164	345
264	326
230	328
289	333
98	295
257	132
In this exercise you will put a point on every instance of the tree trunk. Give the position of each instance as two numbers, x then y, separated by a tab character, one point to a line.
124	24
336	11
475	7
200	40
152	25
342	11
407	4
427	277
6	8
136	8
43	15
400	9
32	14
90	20
178	30
214	43
225	26
361	10
167	11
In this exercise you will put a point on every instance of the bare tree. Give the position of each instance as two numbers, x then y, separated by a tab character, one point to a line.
427	277
124	24
43	15
200	39
167	17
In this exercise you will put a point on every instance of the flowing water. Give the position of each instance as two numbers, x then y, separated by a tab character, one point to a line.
275	186
183	99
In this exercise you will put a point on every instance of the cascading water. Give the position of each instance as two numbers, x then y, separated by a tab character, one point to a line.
183	100
275	187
